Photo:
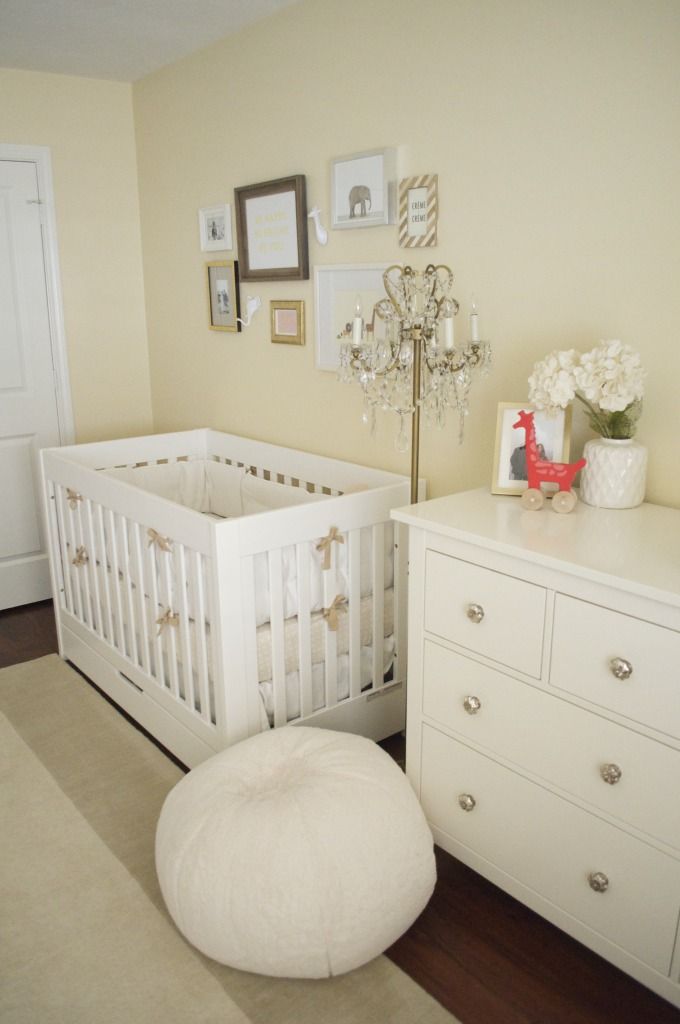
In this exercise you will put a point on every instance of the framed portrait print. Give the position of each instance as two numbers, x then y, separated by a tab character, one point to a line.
509	463
363	189
418	210
214	224
223	295
271	224
288	321
337	289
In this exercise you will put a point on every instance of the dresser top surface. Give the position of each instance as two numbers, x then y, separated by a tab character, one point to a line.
636	549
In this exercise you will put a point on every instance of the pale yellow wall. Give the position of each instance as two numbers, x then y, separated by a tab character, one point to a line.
553	127
88	127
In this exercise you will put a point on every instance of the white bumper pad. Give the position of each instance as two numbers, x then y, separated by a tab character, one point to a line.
299	853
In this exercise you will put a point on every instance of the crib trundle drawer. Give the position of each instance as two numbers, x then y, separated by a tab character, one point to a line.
628	776
487	612
583	865
621	663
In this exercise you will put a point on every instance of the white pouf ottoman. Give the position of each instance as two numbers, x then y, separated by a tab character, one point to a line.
298	853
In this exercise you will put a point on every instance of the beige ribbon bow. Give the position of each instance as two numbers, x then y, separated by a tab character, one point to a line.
163	543
331	614
73	498
82	557
325	545
168	618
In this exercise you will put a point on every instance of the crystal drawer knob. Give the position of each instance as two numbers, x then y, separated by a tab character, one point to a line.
611	773
475	612
472	705
598	881
621	668
466	802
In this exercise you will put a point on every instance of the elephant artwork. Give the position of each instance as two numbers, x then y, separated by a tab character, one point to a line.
359	195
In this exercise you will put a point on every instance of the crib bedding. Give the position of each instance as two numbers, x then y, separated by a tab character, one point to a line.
318	629
224	491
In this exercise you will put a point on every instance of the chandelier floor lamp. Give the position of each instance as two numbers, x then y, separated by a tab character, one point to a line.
415	364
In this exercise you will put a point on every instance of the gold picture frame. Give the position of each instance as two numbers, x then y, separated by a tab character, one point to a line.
223	295
287	321
509	469
418	210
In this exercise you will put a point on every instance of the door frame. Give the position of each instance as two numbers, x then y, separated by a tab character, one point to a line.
40	156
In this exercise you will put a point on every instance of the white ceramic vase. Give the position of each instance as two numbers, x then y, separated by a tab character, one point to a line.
615	473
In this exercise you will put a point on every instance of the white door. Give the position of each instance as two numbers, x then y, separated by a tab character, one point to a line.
28	402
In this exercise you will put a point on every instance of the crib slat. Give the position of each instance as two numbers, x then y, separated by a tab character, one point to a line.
119	641
303	556
104	573
154	612
277	639
254	706
186	660
200	630
94	569
168	636
330	592
127	587
137	561
378	586
62	520
354	597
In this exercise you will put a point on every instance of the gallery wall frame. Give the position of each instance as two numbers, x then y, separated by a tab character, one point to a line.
214	225
287	321
418	210
363	189
509	467
336	291
271	225
224	308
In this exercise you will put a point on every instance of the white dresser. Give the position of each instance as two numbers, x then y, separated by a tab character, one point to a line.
543	729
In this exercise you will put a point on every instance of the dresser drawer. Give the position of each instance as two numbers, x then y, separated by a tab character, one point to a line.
566	745
553	847
587	637
487	612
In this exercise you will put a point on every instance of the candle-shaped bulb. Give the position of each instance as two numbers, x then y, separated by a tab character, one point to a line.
474	323
357	323
447	326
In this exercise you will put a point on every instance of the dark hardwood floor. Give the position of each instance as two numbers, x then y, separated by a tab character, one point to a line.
484	956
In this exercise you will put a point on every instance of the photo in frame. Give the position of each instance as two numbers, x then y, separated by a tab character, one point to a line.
418	210
214	224
363	188
223	295
271	225
337	289
288	321
509	463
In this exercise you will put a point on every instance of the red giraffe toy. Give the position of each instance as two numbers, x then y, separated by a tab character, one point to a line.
541	471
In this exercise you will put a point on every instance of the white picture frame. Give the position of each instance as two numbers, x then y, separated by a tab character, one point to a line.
336	289
363	189
553	433
214	225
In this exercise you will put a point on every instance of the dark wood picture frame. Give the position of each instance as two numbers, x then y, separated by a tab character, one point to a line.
271	224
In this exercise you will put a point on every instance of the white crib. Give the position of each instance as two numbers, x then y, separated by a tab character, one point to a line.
214	586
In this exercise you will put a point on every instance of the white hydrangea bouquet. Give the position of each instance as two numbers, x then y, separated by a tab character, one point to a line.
609	381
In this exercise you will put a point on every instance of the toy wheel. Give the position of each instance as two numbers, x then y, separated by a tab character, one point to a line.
563	502
532	499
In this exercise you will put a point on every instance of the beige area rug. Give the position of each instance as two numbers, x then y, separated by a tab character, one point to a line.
85	938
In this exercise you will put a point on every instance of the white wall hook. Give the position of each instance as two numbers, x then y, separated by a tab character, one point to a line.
321	233
253	303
